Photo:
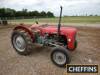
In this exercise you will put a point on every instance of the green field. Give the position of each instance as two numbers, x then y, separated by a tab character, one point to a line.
73	19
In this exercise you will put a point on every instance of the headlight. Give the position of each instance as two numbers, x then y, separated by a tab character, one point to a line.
69	40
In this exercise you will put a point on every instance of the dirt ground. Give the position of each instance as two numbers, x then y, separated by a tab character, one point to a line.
39	63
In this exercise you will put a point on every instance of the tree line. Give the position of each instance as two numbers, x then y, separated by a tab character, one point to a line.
11	13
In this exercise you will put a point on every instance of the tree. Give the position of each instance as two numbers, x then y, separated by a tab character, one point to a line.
49	14
24	12
35	14
91	15
2	13
43	14
10	13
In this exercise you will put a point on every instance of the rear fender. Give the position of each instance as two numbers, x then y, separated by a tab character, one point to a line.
27	29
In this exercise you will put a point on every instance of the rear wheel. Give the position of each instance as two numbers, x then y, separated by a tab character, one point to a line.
60	56
22	42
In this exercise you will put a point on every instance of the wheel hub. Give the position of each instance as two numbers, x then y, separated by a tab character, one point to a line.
19	43
59	58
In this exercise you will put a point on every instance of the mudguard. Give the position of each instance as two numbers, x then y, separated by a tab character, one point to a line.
25	28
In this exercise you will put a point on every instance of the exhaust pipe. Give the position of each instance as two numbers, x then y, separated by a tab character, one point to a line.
59	24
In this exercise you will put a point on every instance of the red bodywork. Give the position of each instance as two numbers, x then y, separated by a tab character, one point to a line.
68	32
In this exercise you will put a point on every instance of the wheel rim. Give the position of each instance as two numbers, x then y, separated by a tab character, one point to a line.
59	58
19	43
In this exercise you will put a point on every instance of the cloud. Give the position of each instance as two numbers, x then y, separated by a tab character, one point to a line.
70	7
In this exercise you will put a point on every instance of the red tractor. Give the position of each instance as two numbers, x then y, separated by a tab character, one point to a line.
61	39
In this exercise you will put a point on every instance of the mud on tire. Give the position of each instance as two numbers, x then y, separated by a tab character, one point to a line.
21	42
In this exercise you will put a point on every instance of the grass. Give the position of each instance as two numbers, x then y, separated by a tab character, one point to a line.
73	19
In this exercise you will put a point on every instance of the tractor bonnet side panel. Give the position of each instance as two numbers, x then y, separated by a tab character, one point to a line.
71	38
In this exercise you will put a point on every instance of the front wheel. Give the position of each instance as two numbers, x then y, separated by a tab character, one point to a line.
60	57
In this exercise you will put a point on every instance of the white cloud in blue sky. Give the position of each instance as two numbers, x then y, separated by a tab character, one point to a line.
70	7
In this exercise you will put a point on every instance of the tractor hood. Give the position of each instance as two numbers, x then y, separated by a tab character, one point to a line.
63	30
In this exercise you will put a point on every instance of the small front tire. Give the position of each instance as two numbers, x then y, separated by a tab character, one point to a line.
60	56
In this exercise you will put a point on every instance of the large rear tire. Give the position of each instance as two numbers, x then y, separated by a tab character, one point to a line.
60	57
21	42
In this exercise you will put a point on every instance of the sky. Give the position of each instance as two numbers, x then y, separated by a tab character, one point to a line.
70	7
